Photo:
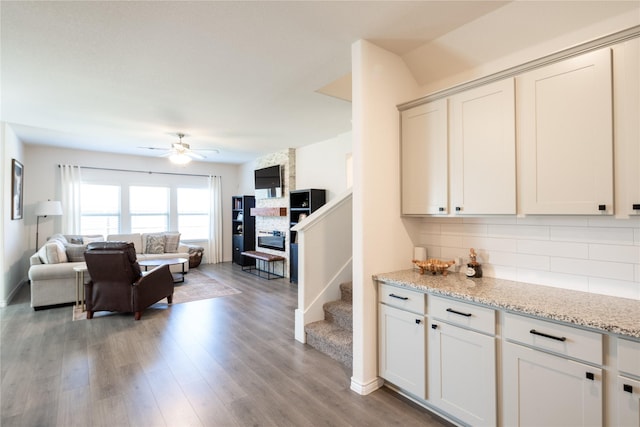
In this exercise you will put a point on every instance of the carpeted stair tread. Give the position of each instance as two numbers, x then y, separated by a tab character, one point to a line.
346	289
334	335
339	312
331	340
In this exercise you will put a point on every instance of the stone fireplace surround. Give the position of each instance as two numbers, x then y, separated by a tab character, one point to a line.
267	225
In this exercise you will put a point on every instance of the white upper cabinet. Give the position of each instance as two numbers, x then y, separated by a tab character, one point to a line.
424	157
483	150
626	95
565	136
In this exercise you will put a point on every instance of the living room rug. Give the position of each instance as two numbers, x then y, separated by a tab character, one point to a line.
197	286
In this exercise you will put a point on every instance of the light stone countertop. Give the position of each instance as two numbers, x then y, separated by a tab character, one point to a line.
605	313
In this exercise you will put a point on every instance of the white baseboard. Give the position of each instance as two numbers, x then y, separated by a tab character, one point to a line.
366	388
300	335
5	302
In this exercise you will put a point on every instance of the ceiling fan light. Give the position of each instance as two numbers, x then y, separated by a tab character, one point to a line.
179	158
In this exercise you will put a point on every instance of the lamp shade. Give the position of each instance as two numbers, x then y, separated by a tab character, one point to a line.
50	207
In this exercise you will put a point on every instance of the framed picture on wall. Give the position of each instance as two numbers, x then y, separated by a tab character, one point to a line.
17	177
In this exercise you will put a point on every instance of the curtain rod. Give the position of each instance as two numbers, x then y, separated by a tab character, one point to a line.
136	171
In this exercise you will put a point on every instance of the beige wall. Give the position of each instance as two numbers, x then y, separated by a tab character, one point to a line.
14	244
324	165
380	241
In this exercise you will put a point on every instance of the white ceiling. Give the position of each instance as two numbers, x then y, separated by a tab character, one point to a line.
241	77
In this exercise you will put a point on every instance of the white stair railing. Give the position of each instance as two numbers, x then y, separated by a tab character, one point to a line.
325	254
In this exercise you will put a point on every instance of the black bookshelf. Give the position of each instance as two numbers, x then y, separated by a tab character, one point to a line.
302	203
243	228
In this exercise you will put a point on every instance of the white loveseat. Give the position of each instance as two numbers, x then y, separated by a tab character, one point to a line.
53	279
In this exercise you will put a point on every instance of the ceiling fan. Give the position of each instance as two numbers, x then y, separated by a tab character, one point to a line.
180	152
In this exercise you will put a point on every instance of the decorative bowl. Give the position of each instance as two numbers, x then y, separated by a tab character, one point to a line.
434	266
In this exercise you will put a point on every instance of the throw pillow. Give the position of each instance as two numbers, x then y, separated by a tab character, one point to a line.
53	253
172	240
75	252
155	244
77	240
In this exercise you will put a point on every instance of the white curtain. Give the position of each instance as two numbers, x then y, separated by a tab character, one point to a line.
70	178
215	216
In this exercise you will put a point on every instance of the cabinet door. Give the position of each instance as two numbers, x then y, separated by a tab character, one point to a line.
626	95
402	351
565	137
545	390
462	373
424	159
628	400
293	263
483	150
238	247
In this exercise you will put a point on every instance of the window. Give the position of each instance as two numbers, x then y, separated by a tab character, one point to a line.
113	203
193	213
149	208
99	209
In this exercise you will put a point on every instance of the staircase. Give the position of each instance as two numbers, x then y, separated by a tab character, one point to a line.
333	336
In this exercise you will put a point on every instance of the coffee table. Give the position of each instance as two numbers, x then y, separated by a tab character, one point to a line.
177	277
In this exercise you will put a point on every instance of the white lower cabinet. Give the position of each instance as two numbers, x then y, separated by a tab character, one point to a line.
628	402
462	373
545	379
628	385
402	349
541	389
480	366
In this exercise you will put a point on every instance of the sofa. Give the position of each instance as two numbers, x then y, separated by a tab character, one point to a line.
52	274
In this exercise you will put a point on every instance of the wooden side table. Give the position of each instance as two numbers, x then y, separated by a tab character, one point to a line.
80	297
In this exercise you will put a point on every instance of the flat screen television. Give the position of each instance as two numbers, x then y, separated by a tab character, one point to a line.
268	182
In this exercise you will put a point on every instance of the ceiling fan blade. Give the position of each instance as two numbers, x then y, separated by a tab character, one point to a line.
182	148
211	150
153	148
194	155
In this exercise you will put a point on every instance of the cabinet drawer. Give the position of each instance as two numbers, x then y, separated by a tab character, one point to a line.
629	357
481	319
561	339
402	298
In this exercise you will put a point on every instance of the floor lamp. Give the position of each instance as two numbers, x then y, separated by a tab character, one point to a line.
44	209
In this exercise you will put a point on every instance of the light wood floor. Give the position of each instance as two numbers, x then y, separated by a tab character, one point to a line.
229	361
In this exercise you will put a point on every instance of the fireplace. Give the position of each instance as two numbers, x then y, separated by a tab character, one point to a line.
274	240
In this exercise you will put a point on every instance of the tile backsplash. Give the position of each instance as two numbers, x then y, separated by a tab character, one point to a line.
591	254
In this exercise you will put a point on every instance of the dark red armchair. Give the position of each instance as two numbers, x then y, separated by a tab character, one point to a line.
117	283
